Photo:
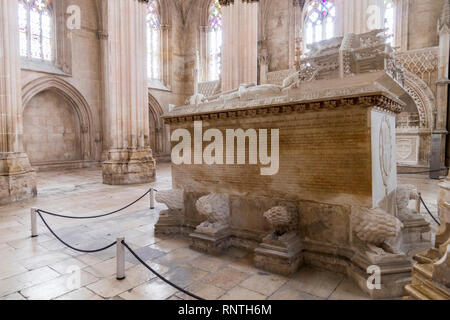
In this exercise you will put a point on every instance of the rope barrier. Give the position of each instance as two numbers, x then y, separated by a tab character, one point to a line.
98	216
68	245
429	212
158	275
120	257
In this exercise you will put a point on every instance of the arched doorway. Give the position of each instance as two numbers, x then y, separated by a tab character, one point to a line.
159	141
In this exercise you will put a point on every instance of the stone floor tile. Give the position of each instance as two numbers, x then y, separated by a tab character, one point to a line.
26	280
63	266
42	260
28	242
57	287
315	282
106	268
348	290
142	240
184	276
239	293
178	257
202	290
208	263
89	259
287	292
226	278
170	244
80	294
110	287
153	290
14	296
11	269
264	283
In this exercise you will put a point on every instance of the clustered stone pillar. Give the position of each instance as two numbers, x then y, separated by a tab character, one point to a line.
240	43
443	75
129	157
17	178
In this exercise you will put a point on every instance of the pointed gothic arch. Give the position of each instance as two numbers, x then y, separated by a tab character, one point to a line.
76	100
159	136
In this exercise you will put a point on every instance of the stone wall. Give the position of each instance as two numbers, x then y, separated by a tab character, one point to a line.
84	77
328	153
51	129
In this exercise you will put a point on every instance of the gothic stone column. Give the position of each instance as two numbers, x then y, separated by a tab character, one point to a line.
17	178
240	43
129	157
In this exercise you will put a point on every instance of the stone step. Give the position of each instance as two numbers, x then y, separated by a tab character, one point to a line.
425	270
415	292
427	290
429	256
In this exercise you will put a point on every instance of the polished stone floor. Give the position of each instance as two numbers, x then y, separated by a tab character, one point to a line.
42	268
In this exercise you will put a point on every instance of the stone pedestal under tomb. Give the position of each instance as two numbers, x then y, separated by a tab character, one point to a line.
337	166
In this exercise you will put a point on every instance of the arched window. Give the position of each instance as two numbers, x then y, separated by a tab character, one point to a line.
153	41
36	32
319	22
215	41
389	19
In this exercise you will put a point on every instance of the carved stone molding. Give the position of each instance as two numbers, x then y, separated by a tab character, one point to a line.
422	62
379	101
422	95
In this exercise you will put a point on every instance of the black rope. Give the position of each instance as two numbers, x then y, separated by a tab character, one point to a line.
429	212
68	245
422	172
158	275
99	216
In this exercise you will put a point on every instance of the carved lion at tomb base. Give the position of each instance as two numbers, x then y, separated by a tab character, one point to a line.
375	227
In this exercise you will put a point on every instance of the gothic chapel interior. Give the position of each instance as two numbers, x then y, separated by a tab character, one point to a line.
339	110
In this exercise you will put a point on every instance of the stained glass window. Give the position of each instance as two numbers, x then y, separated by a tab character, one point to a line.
320	17
36	29
389	19
153	41
215	41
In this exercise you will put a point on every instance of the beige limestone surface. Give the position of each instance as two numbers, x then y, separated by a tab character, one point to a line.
37	268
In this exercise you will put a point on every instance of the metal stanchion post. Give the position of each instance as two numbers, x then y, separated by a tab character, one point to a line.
418	203
33	212
120	259
152	199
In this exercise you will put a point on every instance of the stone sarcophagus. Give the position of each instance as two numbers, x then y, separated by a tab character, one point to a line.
308	168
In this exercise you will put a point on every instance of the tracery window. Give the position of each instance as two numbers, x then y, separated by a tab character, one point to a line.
215	41
36	34
319	22
153	41
389	19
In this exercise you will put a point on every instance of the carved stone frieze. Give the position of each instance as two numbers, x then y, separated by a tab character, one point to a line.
376	100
